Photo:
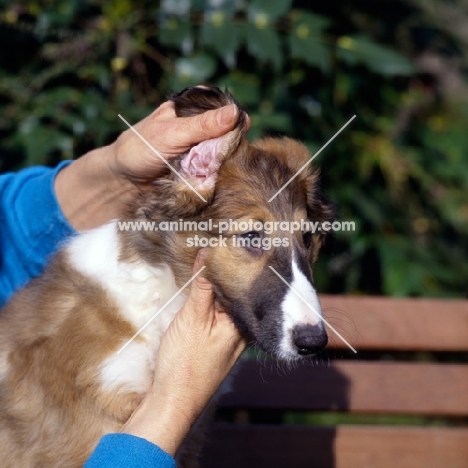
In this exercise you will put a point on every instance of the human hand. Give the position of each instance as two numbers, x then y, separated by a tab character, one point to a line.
99	186
170	136
196	353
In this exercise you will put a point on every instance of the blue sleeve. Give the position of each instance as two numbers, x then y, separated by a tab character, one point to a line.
127	451
32	225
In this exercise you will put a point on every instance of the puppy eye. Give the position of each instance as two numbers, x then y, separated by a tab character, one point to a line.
307	239
251	235
252	242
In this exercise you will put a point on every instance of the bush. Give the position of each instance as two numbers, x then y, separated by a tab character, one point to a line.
67	68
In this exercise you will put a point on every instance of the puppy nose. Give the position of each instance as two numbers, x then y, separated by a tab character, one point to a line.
309	339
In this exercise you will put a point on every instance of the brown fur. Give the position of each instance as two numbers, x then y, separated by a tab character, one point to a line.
53	336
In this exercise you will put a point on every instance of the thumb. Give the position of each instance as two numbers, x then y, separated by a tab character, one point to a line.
200	299
210	124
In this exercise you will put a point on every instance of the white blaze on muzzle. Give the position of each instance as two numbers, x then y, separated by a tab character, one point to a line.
298	311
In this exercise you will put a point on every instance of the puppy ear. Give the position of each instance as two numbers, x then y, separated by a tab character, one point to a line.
319	208
201	164
172	197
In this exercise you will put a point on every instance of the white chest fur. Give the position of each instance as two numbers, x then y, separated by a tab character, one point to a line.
140	292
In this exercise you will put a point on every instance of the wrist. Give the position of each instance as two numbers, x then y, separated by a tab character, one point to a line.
162	424
89	191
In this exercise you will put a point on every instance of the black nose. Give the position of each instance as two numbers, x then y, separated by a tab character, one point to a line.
309	339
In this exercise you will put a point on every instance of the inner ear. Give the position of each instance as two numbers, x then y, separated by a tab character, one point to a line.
201	164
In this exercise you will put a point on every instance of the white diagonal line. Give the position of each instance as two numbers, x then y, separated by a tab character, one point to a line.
161	309
312	158
313	310
157	153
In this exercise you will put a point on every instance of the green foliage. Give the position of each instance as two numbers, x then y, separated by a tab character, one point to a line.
305	40
67	68
378	59
333	419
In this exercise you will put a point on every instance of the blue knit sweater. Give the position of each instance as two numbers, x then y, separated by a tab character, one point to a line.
32	227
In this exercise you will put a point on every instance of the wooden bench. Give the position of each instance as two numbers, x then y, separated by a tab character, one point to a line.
411	369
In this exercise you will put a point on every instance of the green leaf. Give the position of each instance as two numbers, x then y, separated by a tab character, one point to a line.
368	207
175	32
117	9
305	24
40	141
224	37
396	253
61	14
305	39
279	121
264	44
97	72
269	121
175	7
311	50
193	70
245	88
226	7
378	58
55	98
265	10
92	105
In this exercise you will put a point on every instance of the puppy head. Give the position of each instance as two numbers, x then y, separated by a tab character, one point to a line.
260	269
267	284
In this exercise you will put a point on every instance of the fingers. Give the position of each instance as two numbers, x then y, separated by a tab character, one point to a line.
199	260
200	299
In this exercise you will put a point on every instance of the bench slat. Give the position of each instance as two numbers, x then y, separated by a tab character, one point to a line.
361	387
398	324
342	447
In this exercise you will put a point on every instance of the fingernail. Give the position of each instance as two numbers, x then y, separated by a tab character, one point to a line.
226	115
